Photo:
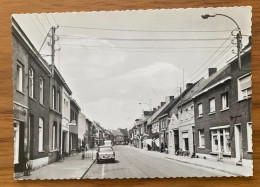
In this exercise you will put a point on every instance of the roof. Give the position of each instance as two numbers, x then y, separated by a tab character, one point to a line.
215	79
173	102
75	103
195	89
124	132
61	78
17	31
117	133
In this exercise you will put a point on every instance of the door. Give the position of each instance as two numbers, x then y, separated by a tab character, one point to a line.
238	144
176	140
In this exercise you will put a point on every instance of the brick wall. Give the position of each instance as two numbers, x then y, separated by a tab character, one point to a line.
38	110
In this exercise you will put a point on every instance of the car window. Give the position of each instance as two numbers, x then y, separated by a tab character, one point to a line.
105	149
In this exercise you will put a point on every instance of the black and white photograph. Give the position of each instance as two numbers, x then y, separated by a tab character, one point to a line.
161	93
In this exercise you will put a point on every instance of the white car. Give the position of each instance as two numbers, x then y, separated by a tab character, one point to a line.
105	153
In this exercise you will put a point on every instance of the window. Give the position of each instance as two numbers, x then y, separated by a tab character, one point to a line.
200	110
212	105
19	80
54	136
221	141
31	83
244	87
40	135
201	138
41	90
58	101
249	137
54	98
224	99
187	113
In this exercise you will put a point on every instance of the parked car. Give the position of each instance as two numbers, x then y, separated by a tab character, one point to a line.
105	153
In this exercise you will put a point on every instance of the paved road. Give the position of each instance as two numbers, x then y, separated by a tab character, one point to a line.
131	163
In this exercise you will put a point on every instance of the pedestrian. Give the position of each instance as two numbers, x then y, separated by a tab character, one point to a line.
162	147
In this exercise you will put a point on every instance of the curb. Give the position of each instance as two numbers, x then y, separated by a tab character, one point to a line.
231	173
209	167
88	169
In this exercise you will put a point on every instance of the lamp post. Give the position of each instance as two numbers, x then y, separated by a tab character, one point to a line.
238	36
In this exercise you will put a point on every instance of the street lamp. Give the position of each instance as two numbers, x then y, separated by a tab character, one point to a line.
239	35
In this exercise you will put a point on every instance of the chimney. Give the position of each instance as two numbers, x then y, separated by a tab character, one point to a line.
169	98
188	85
158	107
212	71
154	109
162	103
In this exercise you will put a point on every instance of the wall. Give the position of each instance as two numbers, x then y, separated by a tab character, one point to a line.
38	110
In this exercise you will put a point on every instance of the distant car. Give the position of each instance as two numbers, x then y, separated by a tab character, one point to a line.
108	143
105	153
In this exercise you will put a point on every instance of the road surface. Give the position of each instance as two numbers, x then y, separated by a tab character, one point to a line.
131	163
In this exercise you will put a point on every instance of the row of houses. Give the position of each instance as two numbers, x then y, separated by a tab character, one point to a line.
210	119
48	122
118	136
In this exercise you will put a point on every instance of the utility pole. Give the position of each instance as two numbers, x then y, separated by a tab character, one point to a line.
239	45
52	49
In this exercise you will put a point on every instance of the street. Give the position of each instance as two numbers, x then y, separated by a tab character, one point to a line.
130	163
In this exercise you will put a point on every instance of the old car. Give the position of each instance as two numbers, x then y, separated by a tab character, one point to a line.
105	153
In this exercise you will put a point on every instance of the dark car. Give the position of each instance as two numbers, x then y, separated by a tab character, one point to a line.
105	153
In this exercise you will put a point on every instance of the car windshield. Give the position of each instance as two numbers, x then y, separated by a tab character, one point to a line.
105	149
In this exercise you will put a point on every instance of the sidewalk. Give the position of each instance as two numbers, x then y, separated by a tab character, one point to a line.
71	168
220	166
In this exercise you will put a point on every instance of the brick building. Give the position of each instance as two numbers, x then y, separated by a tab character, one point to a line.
240	110
56	84
39	103
20	57
223	114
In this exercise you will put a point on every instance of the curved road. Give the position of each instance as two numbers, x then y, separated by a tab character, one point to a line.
131	163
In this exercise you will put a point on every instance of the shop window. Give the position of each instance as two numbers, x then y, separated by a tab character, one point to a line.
16	143
249	137
221	141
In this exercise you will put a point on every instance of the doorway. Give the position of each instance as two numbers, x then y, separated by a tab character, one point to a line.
238	144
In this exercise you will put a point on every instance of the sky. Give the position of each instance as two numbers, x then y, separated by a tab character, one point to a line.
119	63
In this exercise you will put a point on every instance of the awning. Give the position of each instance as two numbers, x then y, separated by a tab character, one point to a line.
157	142
149	141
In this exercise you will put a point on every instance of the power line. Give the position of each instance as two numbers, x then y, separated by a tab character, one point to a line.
54	19
215	60
48	19
210	57
40	23
123	47
36	26
145	40
133	30
135	50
